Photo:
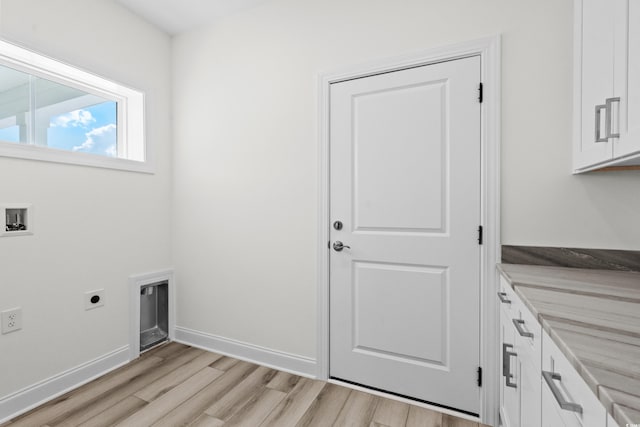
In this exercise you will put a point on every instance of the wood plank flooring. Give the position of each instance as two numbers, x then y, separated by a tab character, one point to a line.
176	385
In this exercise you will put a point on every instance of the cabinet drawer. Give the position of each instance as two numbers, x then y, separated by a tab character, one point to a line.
611	422
528	334
509	301
580	405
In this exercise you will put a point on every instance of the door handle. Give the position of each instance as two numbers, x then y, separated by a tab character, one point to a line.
599	109
609	118
518	324
338	246
503	297
506	364
549	378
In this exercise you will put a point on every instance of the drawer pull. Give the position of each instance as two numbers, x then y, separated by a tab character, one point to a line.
518	324
609	118
503	298
549	377
599	109
506	364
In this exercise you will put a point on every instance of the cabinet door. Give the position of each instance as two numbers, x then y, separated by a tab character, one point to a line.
529	349
594	50
530	404
551	415
509	380
627	83
573	400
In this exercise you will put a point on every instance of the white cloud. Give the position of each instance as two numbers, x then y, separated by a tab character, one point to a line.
100	140
74	119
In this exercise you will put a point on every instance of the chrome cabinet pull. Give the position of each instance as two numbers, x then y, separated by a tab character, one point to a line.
506	365
609	118
599	108
518	324
549	377
503	298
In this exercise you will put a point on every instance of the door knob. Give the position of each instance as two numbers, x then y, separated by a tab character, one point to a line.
339	246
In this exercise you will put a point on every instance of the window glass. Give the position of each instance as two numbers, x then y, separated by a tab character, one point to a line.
14	105
54	112
9	132
89	130
45	113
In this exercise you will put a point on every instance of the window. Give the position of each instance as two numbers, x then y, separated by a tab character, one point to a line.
54	112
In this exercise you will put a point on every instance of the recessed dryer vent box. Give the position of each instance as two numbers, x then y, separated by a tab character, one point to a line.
18	220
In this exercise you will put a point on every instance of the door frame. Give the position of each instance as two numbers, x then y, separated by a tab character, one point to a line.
489	51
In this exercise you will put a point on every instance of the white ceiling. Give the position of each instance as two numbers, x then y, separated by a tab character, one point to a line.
177	16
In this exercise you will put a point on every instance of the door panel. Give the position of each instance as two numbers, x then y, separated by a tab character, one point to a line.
415	155
405	182
627	68
597	78
379	289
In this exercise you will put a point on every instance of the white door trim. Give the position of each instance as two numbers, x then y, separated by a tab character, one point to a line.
489	51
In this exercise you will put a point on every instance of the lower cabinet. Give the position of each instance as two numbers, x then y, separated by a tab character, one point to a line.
530	404
611	422
539	387
520	361
567	400
509	385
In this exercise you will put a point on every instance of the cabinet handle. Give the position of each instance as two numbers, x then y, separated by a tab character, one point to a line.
506	364
503	298
609	118
549	377
518	324
599	108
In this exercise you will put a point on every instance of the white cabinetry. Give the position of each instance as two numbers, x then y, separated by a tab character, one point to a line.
606	87
529	347
509	382
520	360
611	422
539	387
567	400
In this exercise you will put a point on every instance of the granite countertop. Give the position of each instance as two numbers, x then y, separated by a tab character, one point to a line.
594	318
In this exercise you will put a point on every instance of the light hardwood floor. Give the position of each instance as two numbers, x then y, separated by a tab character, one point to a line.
176	385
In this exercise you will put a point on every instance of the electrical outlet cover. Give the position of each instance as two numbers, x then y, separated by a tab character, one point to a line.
93	299
11	320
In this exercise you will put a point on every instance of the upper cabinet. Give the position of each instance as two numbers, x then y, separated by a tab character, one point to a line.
606	84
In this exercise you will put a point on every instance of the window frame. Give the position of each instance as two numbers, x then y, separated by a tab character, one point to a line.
133	151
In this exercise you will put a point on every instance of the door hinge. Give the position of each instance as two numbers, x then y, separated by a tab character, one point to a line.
480	93
329	244
479	376
480	234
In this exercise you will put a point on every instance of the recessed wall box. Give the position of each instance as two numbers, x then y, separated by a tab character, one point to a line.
154	314
18	220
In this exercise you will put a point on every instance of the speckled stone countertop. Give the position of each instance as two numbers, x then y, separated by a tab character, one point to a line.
594	318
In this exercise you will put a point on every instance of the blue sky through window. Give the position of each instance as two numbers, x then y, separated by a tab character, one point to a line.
11	134
88	130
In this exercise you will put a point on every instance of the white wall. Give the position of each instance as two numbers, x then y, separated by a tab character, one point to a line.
94	227
246	150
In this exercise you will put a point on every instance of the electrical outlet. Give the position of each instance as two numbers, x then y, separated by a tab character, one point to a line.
11	320
93	299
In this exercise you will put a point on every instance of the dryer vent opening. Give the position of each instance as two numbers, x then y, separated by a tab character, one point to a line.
154	314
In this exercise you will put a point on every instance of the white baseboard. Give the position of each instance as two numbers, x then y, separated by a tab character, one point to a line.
298	365
44	391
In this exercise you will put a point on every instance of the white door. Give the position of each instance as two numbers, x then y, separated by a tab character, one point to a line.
405	185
